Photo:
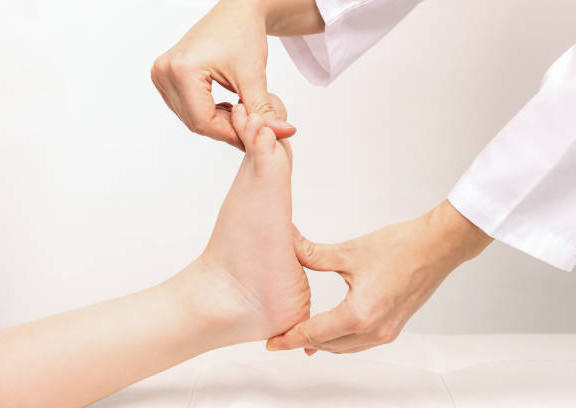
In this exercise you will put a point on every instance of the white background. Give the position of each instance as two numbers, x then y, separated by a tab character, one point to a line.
103	192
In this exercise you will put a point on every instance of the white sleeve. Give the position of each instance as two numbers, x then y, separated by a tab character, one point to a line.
351	28
521	189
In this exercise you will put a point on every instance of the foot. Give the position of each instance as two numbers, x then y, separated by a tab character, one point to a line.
250	257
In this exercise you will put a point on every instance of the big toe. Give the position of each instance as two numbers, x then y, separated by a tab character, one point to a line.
259	141
249	135
265	142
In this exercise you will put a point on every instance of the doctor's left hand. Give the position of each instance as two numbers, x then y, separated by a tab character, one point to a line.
391	273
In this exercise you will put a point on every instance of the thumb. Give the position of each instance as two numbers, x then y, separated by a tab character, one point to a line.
320	257
318	329
254	94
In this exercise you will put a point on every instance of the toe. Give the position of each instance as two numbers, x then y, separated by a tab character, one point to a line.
265	142
288	149
250	134
239	118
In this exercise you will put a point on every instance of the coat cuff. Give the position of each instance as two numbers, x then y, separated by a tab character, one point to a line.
521	189
520	233
351	28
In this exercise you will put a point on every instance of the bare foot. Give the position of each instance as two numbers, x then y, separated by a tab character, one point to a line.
260	283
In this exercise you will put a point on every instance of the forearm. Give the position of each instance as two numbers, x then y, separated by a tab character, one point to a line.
78	357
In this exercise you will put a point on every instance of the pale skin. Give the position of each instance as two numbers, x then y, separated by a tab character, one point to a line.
391	272
247	285
229	46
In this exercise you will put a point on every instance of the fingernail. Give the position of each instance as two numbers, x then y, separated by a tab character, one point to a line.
310	352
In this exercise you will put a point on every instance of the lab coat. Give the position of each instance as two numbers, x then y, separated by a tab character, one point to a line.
521	189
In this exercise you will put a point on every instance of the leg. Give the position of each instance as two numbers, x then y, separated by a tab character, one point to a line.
247	285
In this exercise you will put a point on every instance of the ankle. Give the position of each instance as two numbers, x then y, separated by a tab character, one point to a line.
205	306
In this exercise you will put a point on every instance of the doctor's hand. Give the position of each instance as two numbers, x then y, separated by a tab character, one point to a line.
229	46
391	273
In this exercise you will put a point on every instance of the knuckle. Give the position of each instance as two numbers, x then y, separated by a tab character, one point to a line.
362	319
361	322
159	68
178	66
264	108
310	251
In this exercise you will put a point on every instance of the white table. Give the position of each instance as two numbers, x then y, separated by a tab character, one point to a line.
416	371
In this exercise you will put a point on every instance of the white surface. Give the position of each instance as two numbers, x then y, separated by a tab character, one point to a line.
104	192
416	371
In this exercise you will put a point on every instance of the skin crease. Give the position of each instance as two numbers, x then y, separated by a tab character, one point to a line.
247	285
391	273
229	46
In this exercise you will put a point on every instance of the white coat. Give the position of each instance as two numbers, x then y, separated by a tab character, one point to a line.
521	189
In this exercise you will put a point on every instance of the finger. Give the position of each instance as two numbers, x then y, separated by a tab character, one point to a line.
167	91
225	116
343	343
159	82
225	106
319	329
281	128
310	352
162	90
239	118
251	130
253	91
197	105
278	106
321	257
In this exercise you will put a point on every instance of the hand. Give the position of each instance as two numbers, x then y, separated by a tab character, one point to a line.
229	46
391	273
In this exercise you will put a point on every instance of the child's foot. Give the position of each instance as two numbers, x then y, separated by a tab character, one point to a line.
251	248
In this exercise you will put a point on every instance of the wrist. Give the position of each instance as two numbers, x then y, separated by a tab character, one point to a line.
455	236
287	17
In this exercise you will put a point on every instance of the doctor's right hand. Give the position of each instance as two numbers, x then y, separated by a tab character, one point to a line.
229	46
391	273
